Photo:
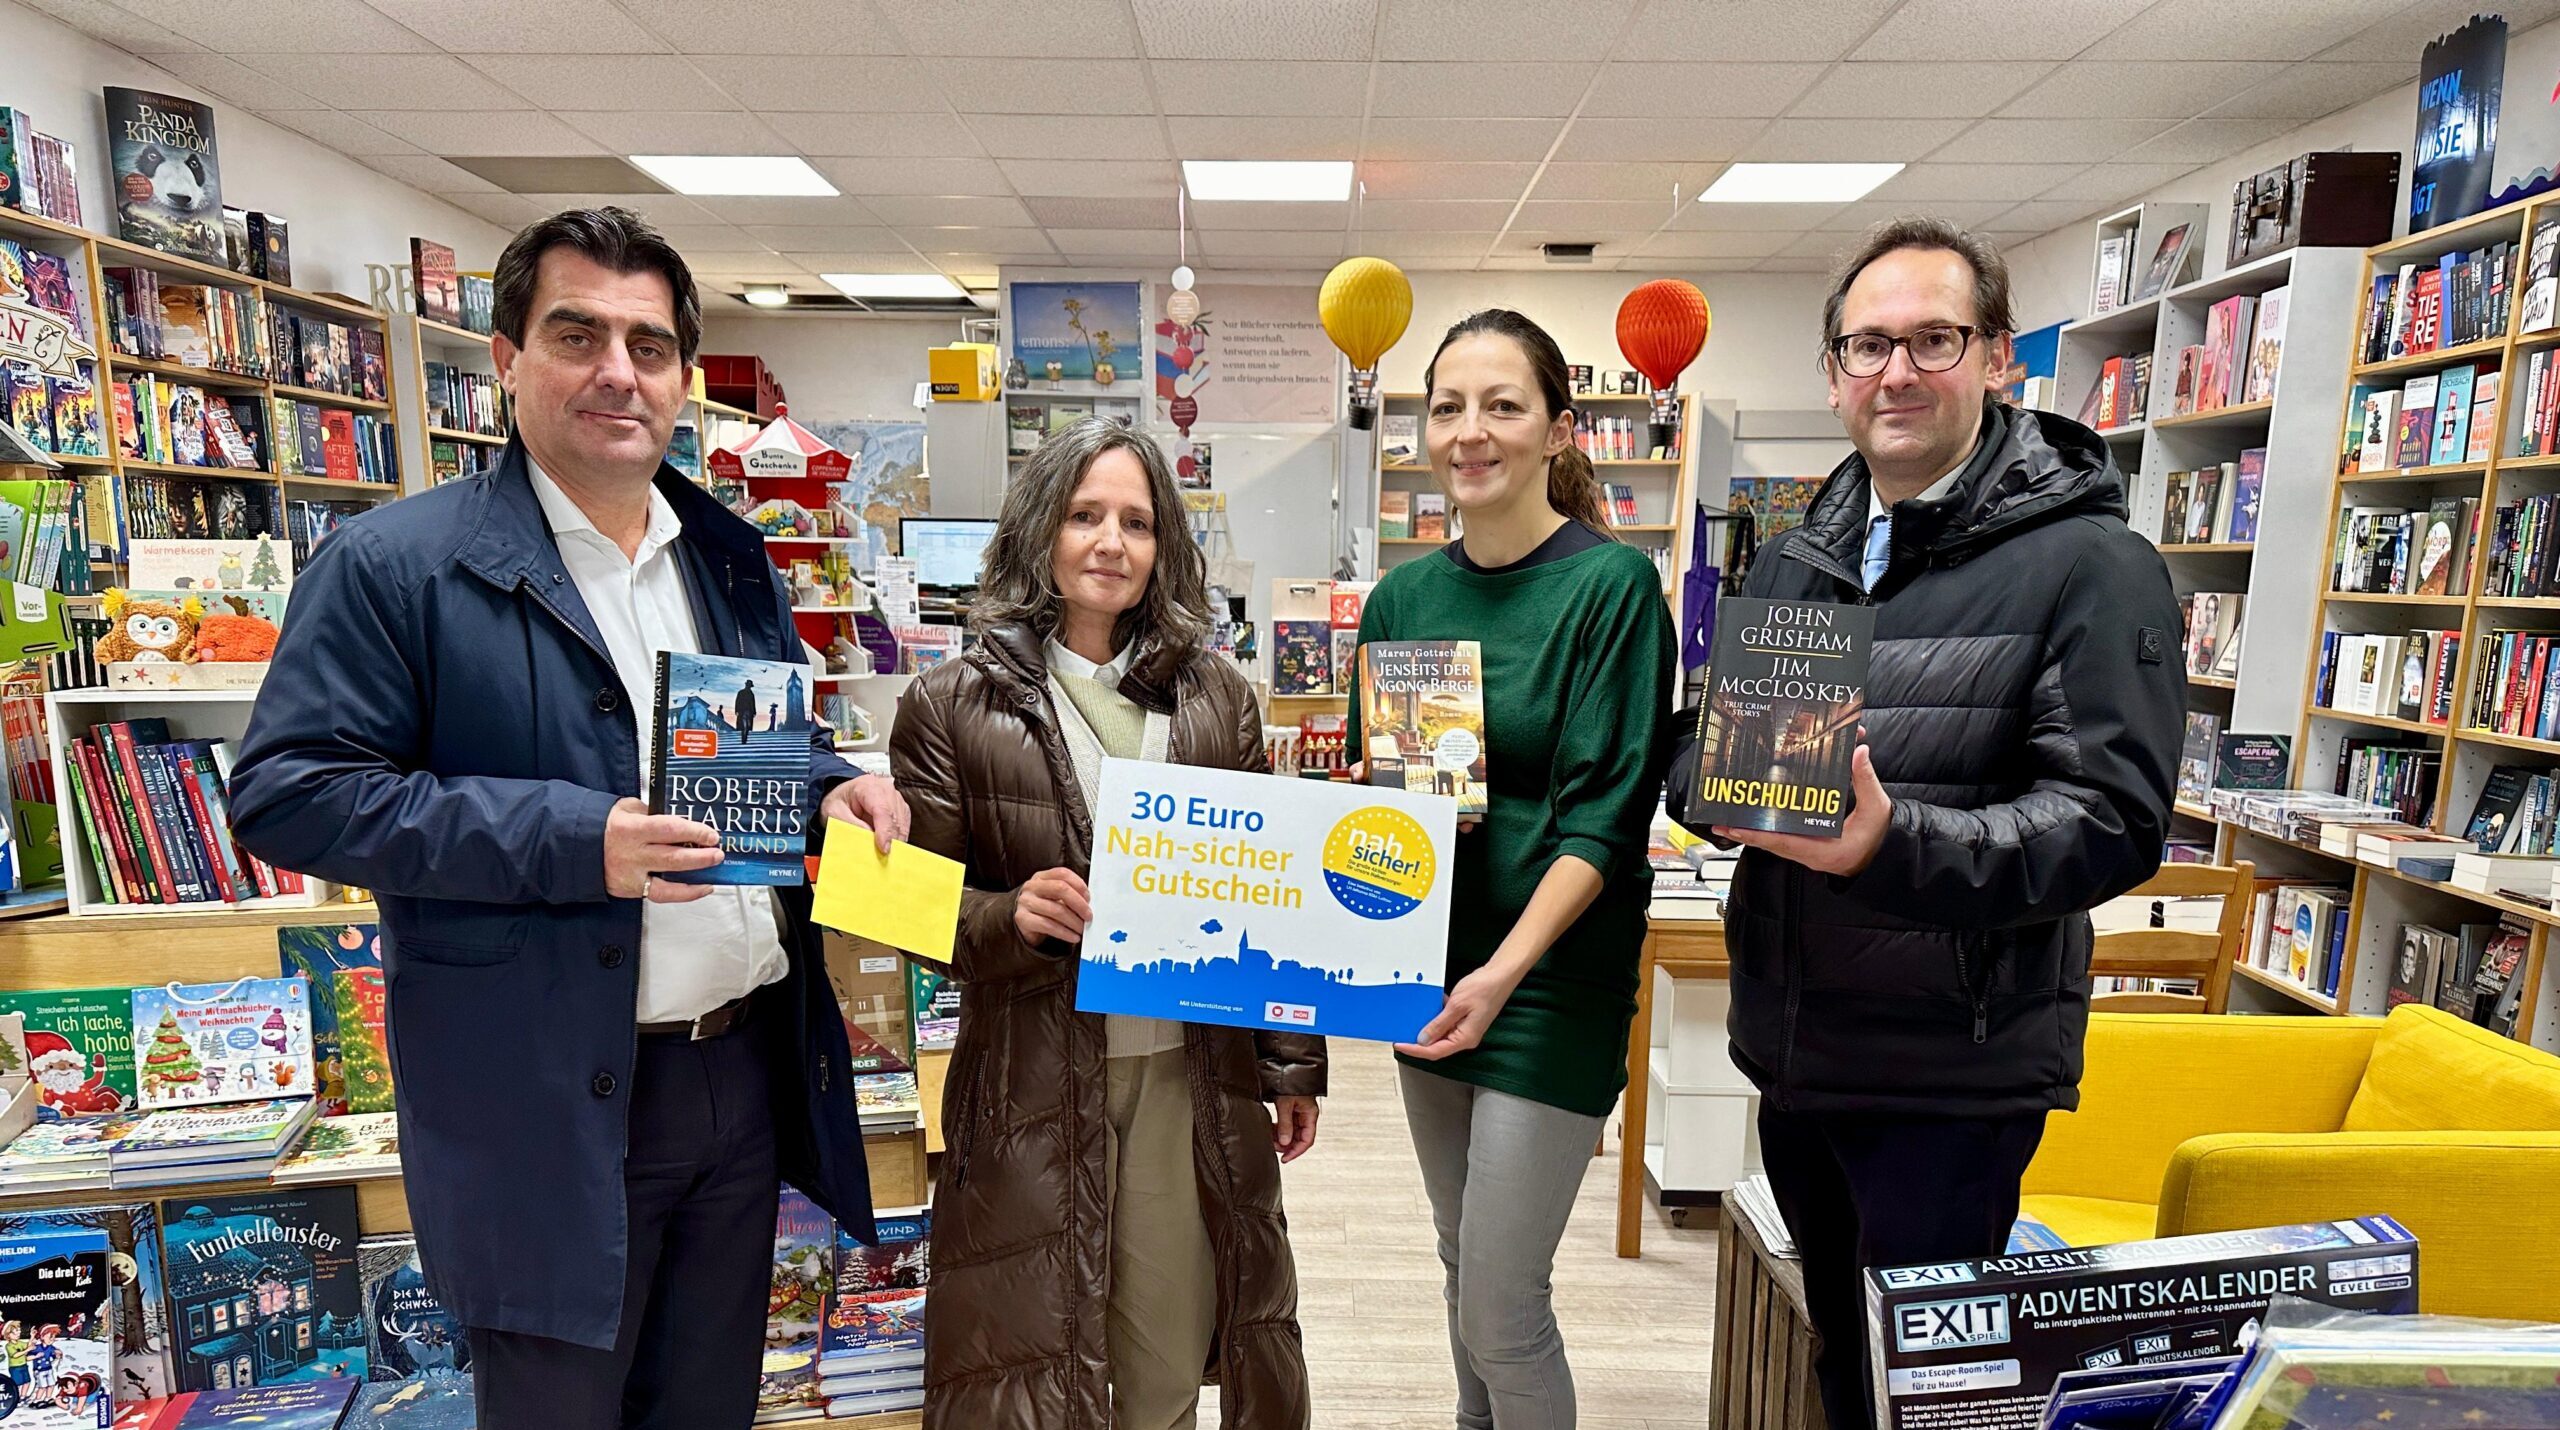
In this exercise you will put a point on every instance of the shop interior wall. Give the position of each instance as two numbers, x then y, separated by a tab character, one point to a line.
341	216
2051	275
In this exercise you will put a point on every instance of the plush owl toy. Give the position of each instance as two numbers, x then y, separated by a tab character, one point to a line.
149	630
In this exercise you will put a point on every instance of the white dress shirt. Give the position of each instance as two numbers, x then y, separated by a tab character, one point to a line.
695	956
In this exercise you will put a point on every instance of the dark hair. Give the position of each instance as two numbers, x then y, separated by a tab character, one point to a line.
1020	582
1573	488
1990	271
615	237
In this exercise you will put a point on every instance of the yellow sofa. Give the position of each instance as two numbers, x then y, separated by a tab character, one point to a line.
2193	1124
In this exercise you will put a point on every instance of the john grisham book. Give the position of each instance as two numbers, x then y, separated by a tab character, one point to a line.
1780	721
1422	718
168	182
733	752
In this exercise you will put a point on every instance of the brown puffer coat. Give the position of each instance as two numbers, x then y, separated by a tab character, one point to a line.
1021	1222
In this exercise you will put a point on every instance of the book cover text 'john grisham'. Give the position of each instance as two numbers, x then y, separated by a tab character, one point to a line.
1780	722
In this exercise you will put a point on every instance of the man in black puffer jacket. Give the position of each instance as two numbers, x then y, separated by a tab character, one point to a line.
1910	997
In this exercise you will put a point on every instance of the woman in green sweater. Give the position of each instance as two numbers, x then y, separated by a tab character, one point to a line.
1505	1090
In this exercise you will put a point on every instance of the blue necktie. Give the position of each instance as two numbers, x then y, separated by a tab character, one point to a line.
1879	549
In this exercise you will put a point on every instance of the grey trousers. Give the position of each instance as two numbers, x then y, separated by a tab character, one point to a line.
1501	1172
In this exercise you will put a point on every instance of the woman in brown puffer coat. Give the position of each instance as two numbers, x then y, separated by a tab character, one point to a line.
1107	1231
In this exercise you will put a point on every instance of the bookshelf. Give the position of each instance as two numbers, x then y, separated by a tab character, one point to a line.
2381	900
88	255
459	448
2296	426
1665	487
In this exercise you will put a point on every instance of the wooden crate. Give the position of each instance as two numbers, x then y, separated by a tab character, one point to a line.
1764	1341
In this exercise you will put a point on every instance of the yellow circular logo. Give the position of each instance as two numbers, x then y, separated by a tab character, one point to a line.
1378	862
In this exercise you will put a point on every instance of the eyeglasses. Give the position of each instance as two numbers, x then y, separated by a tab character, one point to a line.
1932	349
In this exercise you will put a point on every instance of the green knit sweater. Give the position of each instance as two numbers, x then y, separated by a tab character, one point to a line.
1578	662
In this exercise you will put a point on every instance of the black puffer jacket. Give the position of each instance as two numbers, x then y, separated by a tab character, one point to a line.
2024	709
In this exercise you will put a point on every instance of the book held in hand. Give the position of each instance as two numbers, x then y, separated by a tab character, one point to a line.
1779	726
1422	718
733	751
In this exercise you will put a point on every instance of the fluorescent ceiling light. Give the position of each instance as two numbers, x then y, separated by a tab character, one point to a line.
767	295
1268	180
1796	183
778	175
894	285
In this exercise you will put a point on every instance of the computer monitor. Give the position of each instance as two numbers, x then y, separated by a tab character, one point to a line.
947	550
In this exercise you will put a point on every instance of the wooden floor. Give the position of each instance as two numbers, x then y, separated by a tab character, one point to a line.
1637	1332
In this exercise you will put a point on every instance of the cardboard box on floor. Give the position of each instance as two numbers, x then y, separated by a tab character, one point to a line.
1977	1344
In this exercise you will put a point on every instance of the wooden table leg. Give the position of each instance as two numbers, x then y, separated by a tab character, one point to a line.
1639	1095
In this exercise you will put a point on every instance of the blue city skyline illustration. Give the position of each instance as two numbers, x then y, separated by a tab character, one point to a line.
713	693
1235	989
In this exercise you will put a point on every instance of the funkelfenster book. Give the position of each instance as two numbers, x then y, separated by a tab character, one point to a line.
733	751
1779	727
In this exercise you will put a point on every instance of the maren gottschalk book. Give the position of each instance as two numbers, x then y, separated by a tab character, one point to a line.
1422	703
1780	723
733	752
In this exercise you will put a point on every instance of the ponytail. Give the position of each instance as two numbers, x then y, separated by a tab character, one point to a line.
1573	489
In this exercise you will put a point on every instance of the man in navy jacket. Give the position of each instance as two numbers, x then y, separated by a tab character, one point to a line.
601	1074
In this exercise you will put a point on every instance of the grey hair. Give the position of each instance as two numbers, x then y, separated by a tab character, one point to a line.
1990	271
1020	583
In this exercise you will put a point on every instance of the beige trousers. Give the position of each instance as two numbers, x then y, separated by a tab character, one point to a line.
1164	1284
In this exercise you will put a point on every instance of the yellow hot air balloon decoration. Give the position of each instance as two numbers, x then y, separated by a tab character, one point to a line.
1365	304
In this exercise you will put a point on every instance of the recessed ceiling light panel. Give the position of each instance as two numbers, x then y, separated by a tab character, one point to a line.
1796	183
762	175
1268	180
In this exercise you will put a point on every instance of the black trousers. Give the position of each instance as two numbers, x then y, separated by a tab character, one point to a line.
700	1194
1870	1189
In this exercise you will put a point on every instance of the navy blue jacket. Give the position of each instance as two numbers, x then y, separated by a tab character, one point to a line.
444	727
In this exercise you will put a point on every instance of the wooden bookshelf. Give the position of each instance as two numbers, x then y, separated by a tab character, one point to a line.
1665	487
89	254
2381	900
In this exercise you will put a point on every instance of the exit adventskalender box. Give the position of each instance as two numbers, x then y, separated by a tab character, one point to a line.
1977	1344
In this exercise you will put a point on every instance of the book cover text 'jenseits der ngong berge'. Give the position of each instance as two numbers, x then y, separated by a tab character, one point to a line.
1780	723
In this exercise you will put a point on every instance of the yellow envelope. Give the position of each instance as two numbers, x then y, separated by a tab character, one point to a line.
908	898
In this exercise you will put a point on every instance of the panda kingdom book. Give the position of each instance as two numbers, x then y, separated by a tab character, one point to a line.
168	182
733	750
1776	733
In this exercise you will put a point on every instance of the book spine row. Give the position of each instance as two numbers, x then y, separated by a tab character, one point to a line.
464	401
2461	298
155	818
316	441
154	507
2518	693
2401	777
2521	549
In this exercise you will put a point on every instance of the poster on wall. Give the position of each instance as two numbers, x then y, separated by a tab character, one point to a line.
887	481
1251	902
2032	355
1776	503
1257	353
2460	78
1077	332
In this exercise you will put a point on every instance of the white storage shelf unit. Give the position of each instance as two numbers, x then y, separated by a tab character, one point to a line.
1701	1113
192	715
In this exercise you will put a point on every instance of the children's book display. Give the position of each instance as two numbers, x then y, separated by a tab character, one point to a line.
871	1352
264	1287
350	1052
136	1290
242	1041
408	1332
804	1276
56	1295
